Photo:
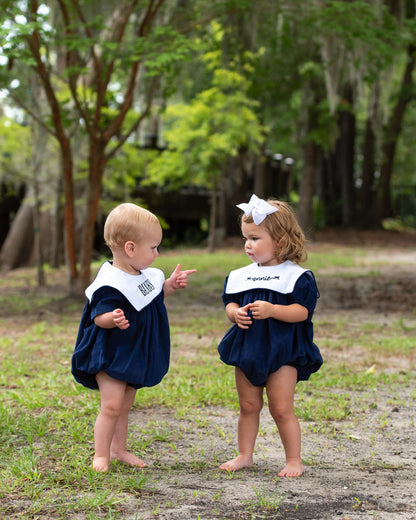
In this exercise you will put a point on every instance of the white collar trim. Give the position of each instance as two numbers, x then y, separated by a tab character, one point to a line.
139	289
279	278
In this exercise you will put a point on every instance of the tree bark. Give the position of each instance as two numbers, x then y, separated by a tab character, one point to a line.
38	150
17	247
212	221
57	230
366	192
97	164
392	134
345	158
41	69
260	176
39	143
307	187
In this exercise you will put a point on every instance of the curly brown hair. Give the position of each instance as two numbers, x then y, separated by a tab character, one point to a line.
283	227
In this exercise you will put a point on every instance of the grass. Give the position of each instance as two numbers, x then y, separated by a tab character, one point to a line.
46	419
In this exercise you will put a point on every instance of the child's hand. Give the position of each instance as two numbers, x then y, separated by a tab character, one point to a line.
120	320
242	318
261	309
179	279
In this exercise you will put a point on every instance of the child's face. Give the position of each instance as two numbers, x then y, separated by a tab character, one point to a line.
145	250
260	246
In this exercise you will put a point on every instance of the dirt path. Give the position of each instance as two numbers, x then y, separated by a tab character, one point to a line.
357	471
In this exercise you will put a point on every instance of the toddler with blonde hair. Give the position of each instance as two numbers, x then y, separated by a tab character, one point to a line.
123	342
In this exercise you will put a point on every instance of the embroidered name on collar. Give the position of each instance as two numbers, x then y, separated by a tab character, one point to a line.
146	287
140	290
265	278
279	278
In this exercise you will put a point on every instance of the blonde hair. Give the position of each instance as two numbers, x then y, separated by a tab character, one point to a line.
283	227
126	222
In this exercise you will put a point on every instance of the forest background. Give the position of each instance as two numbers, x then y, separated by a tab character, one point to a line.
188	107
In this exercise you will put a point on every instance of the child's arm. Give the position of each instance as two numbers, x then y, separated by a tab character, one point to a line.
109	320
293	313
177	280
238	315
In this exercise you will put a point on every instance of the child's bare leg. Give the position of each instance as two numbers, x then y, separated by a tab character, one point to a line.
118	449
281	391
251	403
111	396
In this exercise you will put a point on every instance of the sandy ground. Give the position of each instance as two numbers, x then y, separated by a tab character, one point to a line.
358	470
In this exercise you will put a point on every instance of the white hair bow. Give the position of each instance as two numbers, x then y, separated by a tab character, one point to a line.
258	208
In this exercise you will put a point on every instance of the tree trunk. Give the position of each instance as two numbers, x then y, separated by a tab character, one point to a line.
39	142
39	146
17	247
212	221
328	190
392	135
260	176
311	157
366	193
56	255
96	171
345	158
69	217
63	139
307	187
235	188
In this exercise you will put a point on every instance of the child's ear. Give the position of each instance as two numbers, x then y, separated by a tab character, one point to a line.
129	248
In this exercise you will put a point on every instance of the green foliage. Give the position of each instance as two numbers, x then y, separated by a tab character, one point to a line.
294	58
125	171
203	135
311	50
98	61
164	49
15	151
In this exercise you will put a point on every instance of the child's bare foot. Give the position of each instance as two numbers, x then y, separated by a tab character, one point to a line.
128	458
100	464
238	463
292	469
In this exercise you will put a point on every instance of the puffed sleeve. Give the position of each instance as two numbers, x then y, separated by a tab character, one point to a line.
105	299
229	298
306	291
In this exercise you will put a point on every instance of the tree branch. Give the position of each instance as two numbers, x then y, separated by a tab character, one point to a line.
138	121
144	29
